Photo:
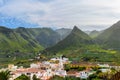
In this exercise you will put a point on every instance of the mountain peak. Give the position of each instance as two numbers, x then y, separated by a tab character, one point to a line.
76	39
116	25
76	29
118	22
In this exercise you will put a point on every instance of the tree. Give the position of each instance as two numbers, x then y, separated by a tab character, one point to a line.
35	78
71	78
57	78
92	76
64	78
23	77
4	75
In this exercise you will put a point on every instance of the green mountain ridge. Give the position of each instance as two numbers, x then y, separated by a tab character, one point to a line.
27	39
78	46
94	33
63	32
45	36
11	41
75	39
21	44
110	38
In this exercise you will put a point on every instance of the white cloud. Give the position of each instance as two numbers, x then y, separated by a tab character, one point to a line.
63	13
21	7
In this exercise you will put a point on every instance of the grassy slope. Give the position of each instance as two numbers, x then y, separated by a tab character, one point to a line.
12	41
45	36
78	46
91	53
75	39
110	38
16	47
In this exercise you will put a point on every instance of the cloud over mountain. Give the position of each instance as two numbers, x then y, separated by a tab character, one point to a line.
62	12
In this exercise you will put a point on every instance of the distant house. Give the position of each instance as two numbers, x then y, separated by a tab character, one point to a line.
64	60
117	67
105	70
84	75
33	65
61	73
104	65
12	67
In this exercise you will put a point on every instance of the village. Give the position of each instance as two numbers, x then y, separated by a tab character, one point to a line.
57	66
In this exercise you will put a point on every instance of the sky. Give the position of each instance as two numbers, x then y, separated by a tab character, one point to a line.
60	13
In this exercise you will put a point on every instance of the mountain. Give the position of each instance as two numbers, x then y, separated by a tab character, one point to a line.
110	37
78	46
27	39
13	40
45	36
63	32
87	32
20	44
94	33
75	39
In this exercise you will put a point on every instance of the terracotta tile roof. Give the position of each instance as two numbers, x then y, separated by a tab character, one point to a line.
28	70
72	73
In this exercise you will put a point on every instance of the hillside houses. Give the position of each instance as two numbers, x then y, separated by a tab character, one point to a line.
56	66
44	70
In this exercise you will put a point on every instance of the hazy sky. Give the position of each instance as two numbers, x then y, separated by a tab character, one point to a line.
59	13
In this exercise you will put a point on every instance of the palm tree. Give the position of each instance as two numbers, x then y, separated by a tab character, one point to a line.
4	75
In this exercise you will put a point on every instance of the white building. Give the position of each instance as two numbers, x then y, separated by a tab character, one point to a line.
104	65
62	73
12	67
64	60
34	65
105	70
84	75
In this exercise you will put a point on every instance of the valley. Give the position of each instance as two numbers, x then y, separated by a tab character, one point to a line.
28	43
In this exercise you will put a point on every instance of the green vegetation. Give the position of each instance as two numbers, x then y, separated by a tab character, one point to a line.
63	32
102	75
90	54
94	34
4	75
20	44
26	39
35	78
110	38
23	77
75	39
67	67
82	48
45	36
11	41
64	78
